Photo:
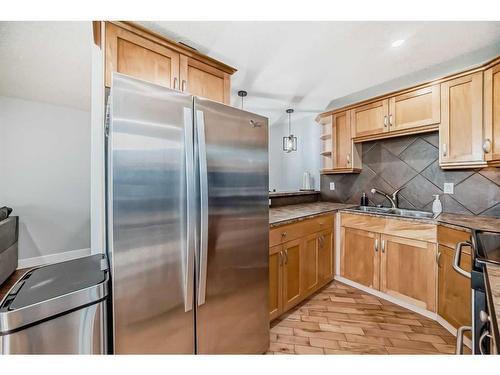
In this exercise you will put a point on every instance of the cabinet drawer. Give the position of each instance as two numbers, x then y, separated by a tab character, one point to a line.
450	237
303	228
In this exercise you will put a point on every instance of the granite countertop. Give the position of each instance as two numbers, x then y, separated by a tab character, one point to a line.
296	212
456	221
276	194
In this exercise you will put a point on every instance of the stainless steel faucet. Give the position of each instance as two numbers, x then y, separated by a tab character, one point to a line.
392	198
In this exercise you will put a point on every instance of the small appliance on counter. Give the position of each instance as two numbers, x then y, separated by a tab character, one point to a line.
9	233
306	182
57	309
485	253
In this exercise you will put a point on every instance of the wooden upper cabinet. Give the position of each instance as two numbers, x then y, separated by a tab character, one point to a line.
408	270
359	258
415	109
342	141
204	80
461	129
491	143
133	55
370	119
137	52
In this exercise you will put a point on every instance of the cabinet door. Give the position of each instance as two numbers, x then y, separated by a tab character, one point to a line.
370	119
342	141
275	281
491	144
415	109
326	263
454	290
133	55
310	264
203	80
292	285
461	129
408	270
359	258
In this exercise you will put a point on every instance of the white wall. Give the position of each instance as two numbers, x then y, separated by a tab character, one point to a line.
45	174
286	169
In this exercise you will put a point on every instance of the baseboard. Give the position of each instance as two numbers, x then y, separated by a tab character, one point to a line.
52	258
396	301
387	297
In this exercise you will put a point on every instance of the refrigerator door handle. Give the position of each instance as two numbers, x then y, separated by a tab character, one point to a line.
190	210
202	160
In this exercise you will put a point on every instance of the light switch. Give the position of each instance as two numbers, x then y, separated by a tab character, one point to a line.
332	185
449	188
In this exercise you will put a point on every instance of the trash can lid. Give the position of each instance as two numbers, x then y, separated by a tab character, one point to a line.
54	289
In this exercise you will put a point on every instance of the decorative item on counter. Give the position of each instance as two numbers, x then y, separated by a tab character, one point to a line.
437	207
306	182
364	200
5	212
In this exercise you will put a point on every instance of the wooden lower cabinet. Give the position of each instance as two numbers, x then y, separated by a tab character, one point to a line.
359	258
292	273
408	270
275	281
299	267
454	290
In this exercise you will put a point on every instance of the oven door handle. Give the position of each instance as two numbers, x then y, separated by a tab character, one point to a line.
460	339
458	257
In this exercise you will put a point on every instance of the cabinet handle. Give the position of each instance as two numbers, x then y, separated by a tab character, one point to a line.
438	256
184	85
383	246
286	256
321	241
281	258
456	259
385	121
283	236
348	158
445	149
460	339
487	145
175	83
390	120
376	244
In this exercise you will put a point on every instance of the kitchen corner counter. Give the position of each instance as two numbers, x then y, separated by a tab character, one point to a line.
466	222
297	212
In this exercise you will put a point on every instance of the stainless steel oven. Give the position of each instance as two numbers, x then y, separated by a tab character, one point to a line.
485	253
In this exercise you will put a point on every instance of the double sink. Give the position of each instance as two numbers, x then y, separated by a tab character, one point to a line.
401	212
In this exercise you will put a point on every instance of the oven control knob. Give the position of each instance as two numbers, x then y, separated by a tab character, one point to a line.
483	317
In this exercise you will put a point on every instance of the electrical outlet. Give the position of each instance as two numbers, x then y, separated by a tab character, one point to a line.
449	188
332	185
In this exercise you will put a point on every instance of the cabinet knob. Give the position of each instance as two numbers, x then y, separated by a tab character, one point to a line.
487	145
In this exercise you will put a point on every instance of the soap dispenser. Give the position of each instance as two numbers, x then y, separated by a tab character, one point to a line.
364	200
437	207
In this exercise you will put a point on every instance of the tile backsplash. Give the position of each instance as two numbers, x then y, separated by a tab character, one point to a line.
412	162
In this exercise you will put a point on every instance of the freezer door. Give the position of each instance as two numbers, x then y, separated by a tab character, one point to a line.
232	284
151	245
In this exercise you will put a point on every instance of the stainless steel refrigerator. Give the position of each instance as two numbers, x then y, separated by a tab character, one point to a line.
187	223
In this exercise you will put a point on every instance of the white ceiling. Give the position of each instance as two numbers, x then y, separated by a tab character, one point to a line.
306	65
47	61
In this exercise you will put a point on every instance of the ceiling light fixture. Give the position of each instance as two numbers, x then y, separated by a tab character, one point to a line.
397	43
290	142
242	94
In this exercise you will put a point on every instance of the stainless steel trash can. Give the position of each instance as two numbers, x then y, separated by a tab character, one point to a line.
57	309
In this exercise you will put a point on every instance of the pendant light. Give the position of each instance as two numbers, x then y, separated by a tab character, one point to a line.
290	142
242	94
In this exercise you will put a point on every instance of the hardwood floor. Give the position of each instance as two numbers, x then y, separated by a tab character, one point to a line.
343	320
